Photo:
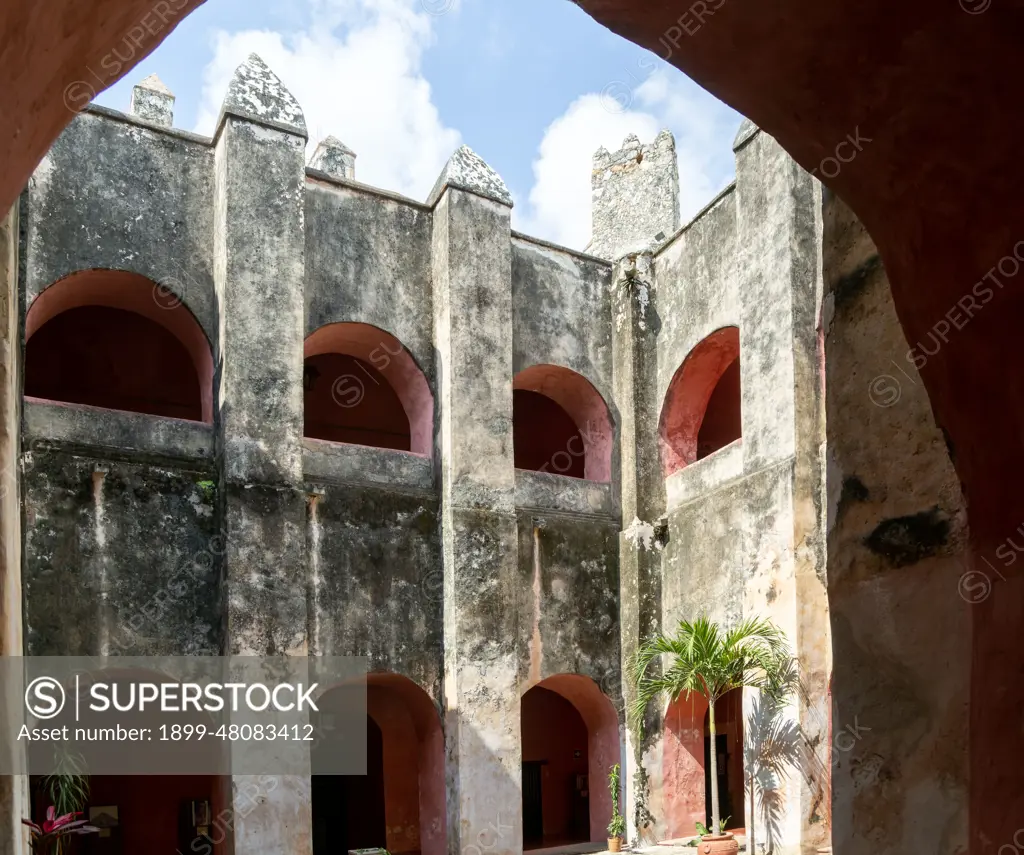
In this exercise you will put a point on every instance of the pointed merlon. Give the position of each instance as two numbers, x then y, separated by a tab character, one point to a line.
257	94
466	170
334	158
744	134
153	101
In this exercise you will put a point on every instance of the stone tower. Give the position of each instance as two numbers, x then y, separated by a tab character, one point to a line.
636	196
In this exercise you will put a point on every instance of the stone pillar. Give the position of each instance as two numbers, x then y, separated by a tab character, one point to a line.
14	796
259	269
633	345
781	331
153	101
334	158
472	270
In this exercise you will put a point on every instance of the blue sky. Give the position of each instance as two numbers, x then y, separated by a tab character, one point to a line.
533	86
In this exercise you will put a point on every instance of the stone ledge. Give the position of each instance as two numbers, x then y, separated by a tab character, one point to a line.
360	464
705	475
116	431
544	491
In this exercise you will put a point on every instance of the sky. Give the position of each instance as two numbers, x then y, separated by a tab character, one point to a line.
534	87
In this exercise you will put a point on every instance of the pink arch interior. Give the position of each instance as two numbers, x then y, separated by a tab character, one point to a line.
132	292
603	747
414	761
385	353
585	406
688	395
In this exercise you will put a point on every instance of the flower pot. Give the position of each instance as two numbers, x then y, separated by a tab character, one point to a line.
718	844
614	844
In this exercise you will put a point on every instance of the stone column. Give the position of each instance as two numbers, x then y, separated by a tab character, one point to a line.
642	494
259	269
779	223
472	269
14	797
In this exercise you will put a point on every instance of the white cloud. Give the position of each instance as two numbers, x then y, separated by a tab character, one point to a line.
558	207
356	72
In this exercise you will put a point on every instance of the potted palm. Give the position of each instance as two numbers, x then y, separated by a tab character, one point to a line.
617	826
702	658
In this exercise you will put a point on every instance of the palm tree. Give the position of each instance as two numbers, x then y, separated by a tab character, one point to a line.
711	663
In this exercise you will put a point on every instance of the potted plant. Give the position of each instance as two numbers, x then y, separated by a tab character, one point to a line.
45	838
704	659
617	826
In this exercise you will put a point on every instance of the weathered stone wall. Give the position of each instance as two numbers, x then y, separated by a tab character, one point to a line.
121	543
900	585
368	261
116	194
424	563
735	535
562	311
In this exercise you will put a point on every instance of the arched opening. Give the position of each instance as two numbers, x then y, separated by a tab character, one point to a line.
570	740
363	387
399	805
701	414
729	747
721	424
113	339
561	424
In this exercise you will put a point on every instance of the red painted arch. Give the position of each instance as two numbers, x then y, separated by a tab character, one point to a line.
131	292
603	740
584	405
413	760
388	356
688	396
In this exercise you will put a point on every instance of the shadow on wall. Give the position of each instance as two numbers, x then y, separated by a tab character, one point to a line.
772	752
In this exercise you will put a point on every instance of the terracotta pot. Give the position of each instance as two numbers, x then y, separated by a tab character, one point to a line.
718	844
614	844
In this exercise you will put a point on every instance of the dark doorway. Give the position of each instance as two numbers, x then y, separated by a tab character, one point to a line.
724	801
729	740
533	803
348	810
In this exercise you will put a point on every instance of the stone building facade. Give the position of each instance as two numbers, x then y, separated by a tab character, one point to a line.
271	410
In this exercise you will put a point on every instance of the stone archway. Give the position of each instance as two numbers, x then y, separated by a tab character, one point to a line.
363	387
561	424
570	727
701	412
114	339
400	804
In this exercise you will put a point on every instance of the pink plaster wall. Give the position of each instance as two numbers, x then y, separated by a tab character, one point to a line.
387	355
120	289
584	404
688	395
683	765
